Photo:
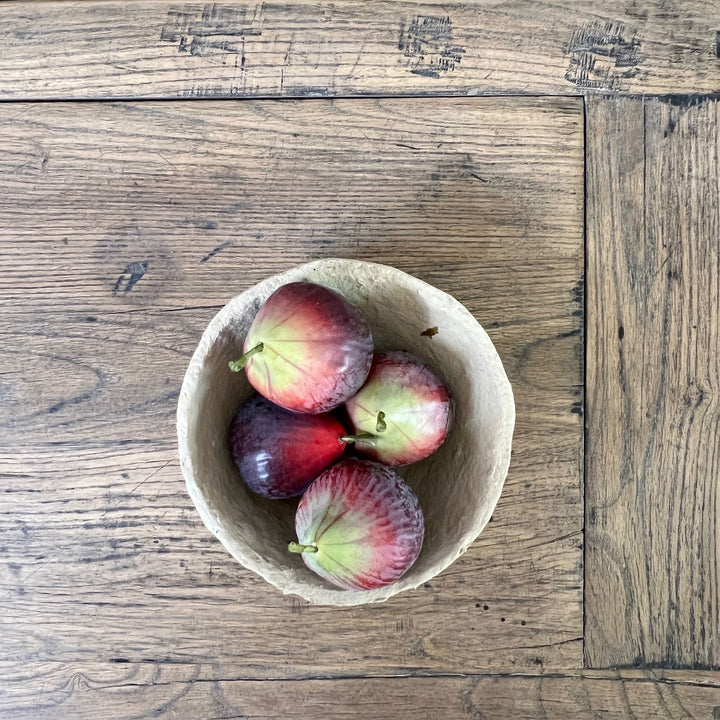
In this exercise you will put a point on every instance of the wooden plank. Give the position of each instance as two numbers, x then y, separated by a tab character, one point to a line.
653	426
305	48
482	197
124	691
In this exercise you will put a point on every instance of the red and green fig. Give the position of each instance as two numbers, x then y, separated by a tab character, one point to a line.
278	452
405	405
308	349
359	525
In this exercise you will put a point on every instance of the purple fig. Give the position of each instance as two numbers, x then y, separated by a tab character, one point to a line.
278	452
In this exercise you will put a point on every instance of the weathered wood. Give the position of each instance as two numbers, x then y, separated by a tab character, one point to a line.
653	427
125	226
129	690
305	48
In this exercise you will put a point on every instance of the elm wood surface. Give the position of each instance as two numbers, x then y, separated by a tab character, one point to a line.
131	691
304	48
124	228
117	50
653	420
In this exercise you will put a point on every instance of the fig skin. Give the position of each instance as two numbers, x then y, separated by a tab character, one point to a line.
308	349
278	452
406	405
359	525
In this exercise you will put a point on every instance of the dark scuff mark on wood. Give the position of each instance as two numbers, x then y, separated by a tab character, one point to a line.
578	291
401	37
717	43
430	332
217	250
431	71
632	10
602	56
133	272
211	29
470	170
299	606
478	177
686	101
428	46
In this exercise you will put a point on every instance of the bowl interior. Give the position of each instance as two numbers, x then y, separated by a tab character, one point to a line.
458	486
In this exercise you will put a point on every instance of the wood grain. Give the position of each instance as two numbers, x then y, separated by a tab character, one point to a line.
126	226
128	691
303	48
653	425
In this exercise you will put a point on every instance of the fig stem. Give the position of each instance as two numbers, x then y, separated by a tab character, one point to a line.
294	547
360	437
239	364
381	425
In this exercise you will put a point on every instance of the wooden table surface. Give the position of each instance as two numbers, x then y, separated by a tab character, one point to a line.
554	166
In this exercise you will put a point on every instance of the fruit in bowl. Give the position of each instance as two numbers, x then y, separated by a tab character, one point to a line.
359	525
308	349
279	453
406	407
457	486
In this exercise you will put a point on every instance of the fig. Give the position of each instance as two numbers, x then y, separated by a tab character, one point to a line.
359	525
307	349
405	406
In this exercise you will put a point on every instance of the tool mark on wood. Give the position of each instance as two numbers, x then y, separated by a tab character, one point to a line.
602	56
133	272
217	250
211	29
428	46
